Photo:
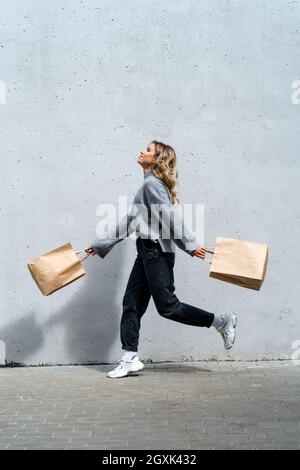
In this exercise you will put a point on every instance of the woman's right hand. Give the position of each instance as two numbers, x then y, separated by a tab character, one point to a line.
200	252
90	250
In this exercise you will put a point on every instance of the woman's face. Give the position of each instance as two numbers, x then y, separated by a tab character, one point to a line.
147	156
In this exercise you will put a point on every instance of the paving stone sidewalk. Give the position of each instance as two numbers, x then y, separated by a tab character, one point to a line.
187	405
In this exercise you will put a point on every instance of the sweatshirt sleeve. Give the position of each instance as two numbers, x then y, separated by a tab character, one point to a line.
122	230
172	220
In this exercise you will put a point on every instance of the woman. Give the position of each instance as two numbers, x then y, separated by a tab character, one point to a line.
152	272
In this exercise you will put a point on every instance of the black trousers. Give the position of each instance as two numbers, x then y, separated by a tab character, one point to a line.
152	274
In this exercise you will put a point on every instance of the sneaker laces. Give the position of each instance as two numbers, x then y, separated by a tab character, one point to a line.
225	335
224	332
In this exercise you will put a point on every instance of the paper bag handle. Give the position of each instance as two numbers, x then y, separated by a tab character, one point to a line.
85	257
209	249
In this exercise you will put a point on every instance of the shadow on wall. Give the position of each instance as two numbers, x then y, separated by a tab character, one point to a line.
20	339
91	319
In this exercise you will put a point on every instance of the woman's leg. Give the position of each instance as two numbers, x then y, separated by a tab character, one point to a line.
135	302
159	272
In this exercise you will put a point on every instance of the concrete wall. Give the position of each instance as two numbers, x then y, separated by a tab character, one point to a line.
85	85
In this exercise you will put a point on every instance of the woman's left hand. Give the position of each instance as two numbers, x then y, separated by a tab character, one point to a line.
200	252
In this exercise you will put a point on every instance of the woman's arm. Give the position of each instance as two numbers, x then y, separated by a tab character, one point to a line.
102	246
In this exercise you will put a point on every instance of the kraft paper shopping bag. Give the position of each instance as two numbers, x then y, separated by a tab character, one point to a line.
56	268
239	262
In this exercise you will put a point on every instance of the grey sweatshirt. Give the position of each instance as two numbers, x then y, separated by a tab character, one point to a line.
152	201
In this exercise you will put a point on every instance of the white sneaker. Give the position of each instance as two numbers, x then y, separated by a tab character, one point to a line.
124	368
228	331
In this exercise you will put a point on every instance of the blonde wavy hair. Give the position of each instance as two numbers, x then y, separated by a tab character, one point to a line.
165	169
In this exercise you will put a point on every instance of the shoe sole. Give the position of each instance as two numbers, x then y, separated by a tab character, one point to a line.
234	326
127	373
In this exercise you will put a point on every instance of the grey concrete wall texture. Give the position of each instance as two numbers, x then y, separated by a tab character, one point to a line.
85	85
